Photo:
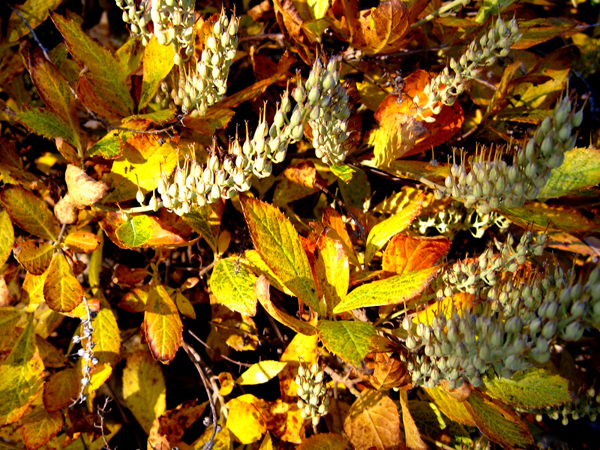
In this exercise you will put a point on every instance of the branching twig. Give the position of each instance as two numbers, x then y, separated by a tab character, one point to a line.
338	379
44	51
221	355
100	412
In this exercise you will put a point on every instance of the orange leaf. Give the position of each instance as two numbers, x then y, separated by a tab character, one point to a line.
285	421
333	220
82	242
168	429
140	232
386	372
135	300
301	348
325	441
39	427
162	325
382	29
407	254
34	258
62	291
411	432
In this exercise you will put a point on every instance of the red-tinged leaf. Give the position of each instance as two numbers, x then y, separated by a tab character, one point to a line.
129	276
349	340
543	217
144	388
135	301
140	232
46	123
34	12
411	432
540	30
261	289
104	72
56	93
396	289
29	212
383	231
62	291
82	241
233	286
445	127
162	325
498	422
382	29
332	270
325	441
333	220
406	254
39	426
286	422
21	377
386	372
279	246
158	62
373	422
33	257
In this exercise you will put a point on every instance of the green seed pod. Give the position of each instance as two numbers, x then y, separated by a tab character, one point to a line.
549	330
573	331
577	118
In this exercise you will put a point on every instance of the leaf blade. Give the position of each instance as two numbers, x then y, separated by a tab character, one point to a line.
162	325
62	290
158	62
351	341
234	286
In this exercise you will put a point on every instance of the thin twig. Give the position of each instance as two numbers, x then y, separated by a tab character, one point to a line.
220	354
195	358
338	379
44	51
361	229
485	83
100	412
206	269
436	443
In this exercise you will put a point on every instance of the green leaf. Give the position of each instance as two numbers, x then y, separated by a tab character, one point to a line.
110	146
34	12
143	164
491	8
33	257
162	325
542	217
135	232
104	72
200	220
534	388
384	231
158	62
279	245
47	124
349	340
7	237
579	170
391	290
62	291
29	212
261	372
498	422
21	377
343	172
233	286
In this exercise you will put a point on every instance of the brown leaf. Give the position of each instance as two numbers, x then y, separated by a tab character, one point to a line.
382	29
39	426
129	276
411	432
83	189
33	257
168	429
61	389
65	210
407	254
386	371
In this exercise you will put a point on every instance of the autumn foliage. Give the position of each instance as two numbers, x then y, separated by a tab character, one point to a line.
299	224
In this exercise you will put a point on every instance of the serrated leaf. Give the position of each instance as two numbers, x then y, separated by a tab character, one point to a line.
385	230
162	325
33	257
21	377
204	221
498	422
144	388
233	286
254	262
261	372
332	270
534	388
46	123
62	389
110	146
62	291
7	237
279	245
349	340
158	62
247	418
382	30
455	410
261	289
35	12
373	422
82	241
542	217
406	254
579	170
29	212
39	426
325	441
170	427
104	72
391	290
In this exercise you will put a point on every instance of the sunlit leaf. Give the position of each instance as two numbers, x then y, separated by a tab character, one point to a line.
325	441
158	62
301	348
391	290
206	222
579	170
373	422
144	389
286	422
35	259
281	249
333	220
168	429
106	336
29	212
135	232
82	241
406	254
543	217
21	377
247	418
455	410
411	432
39	426
332	270
220	441
62	290
162	325
135	301
386	372
233	286
534	388
226	382
34	12
261	372
141	231
184	306
349	340
382	29
385	230
498	422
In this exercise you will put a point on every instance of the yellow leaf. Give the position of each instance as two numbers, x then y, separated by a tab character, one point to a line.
62	291
411	432
106	336
184	306
332	270
385	230
144	388
279	245
158	62
7	237
261	372
318	8
286	422
454	409
227	383
168	429
222	440
62	389
254	262
99	375
39	426
325	441
21	377
162	325
35	259
373	422
301	348
233	286
267	443
35	12
82	242
247	418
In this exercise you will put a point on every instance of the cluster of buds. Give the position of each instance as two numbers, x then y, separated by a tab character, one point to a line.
586	405
443	89
86	352
491	182
137	18
312	390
